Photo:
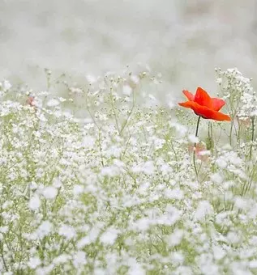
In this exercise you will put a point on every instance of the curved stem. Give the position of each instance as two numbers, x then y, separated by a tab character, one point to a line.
197	127
196	133
252	139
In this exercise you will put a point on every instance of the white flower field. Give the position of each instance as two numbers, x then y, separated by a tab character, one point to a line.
125	187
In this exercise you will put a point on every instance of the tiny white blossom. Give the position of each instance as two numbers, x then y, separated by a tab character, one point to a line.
218	253
78	189
136	269
135	78
193	139
142	224
50	192
5	85
240	203
110	171
34	202
204	208
88	141
57	182
67	231
127	90
61	259
181	130
44	229
53	103
90	238
233	237
221	162
175	238
253	264
4	229
174	194
79	259
216	178
34	262
109	236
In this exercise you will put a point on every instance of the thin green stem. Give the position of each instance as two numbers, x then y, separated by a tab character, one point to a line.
230	133
247	185
196	134
252	139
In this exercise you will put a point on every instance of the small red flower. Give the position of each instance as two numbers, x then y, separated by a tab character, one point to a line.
205	106
31	101
200	150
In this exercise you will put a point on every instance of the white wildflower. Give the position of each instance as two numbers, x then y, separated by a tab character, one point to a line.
142	224
4	229
109	236
218	253
34	262
90	238
253	264
79	259
134	78
50	192
34	202
204	208
240	203
44	229
78	189
171	216
67	231
177	257
174	194
221	162
193	139
136	269
176	237
5	85
53	102
233	237
110	171
127	90
88	141
63	258
57	183
180	129
216	178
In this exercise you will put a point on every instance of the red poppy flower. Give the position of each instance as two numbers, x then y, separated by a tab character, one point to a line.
205	106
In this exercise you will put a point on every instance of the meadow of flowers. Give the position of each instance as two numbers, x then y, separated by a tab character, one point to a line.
104	179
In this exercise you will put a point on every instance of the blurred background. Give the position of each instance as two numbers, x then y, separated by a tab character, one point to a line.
182	40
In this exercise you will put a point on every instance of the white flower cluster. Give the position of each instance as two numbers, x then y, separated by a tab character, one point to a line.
239	92
112	189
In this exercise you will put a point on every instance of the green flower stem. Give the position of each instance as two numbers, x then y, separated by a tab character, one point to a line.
196	134
252	139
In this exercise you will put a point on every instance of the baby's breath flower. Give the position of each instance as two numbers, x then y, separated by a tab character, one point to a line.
34	203
110	187
50	192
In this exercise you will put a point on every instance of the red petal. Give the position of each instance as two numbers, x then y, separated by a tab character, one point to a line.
204	111
210	114
217	103
202	98
189	95
187	104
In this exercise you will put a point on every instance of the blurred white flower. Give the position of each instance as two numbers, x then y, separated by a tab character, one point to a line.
34	262
53	103
34	202
50	192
